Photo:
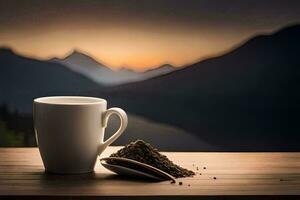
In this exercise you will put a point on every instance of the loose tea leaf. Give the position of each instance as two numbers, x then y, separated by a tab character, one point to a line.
145	153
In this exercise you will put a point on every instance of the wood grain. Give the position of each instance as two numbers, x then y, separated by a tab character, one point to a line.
238	175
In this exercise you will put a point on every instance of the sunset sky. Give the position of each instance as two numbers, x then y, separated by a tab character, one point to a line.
138	34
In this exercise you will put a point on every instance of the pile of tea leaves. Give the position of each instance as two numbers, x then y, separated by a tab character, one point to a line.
145	153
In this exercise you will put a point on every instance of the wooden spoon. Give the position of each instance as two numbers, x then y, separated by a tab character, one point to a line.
129	167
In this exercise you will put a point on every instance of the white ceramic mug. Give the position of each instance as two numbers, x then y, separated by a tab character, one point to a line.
70	131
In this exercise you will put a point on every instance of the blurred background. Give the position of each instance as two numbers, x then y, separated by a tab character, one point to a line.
196	75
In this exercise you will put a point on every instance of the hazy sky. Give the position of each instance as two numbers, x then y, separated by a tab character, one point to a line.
137	33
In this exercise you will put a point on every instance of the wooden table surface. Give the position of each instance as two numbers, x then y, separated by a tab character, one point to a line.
238	175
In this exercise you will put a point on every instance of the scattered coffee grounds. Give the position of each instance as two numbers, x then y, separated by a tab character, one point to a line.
204	167
215	178
180	183
145	153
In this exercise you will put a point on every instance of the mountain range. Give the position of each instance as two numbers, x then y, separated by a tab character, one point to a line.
102	74
23	78
244	100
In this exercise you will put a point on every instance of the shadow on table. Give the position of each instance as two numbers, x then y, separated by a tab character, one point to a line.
46	177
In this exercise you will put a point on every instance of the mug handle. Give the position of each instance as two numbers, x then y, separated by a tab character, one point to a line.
123	124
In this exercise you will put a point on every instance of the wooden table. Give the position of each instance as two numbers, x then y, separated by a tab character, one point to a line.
238	176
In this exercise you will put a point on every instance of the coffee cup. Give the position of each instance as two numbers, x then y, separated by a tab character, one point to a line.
70	131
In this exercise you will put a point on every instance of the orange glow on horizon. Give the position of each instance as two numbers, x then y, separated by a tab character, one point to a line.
138	35
136	48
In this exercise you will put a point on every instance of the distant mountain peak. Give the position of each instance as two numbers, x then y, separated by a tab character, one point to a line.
295	28
82	58
285	32
166	65
5	49
77	53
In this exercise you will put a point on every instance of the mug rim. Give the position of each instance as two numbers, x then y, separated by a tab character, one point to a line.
73	100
